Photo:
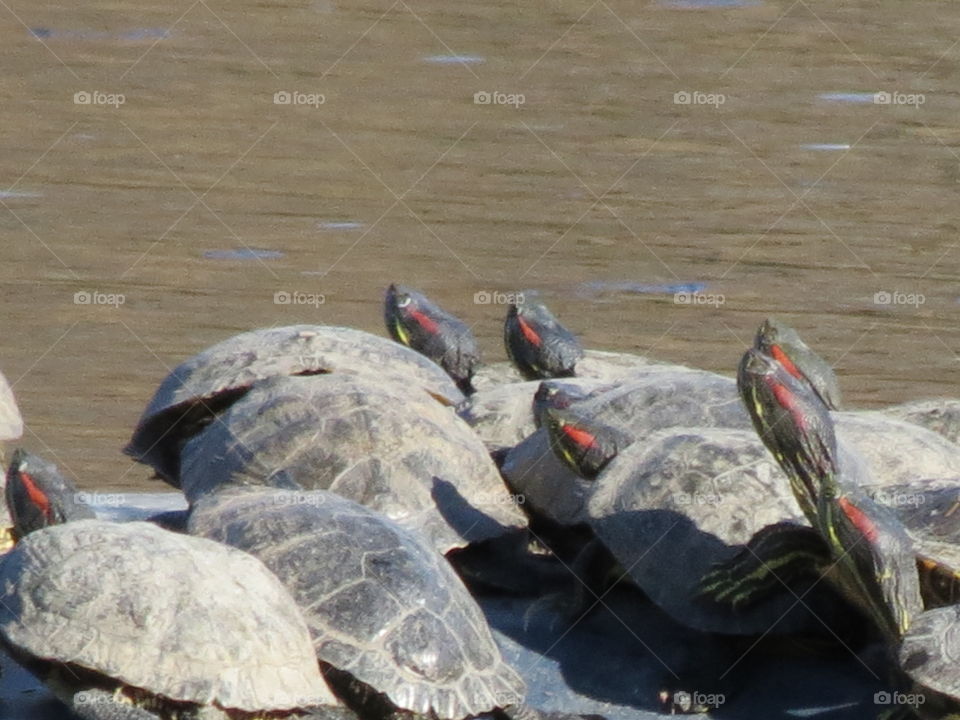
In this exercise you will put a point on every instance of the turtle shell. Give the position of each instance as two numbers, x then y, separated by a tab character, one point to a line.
940	415
649	400
930	655
149	608
381	604
203	386
671	507
389	448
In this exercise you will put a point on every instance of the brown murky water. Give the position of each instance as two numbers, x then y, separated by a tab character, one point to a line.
772	193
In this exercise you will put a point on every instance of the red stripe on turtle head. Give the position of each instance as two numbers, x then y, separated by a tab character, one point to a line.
781	357
578	436
423	320
37	497
788	401
858	517
529	333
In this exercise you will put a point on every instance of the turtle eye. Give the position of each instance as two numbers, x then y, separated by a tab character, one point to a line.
404	301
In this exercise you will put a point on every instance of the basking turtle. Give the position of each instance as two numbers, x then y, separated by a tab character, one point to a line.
504	415
125	621
870	556
390	448
392	624
199	389
537	344
794	424
649	400
416	321
38	495
670	508
784	345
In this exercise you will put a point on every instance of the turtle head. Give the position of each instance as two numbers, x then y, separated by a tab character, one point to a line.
554	395
536	342
414	320
793	423
783	344
38	495
582	444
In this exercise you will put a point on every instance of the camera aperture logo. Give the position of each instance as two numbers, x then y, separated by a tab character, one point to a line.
292	297
899	98
884	297
295	97
699	299
898	698
483	97
696	97
494	297
95	297
98	97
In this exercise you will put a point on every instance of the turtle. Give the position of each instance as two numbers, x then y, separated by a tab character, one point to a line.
799	431
417	322
504	415
671	507
125	621
537	344
202	387
393	626
784	344
870	555
38	495
391	448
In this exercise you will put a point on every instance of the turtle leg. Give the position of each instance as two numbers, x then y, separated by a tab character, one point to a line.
773	558
94	704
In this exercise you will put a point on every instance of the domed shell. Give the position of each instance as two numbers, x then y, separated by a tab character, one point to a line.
672	506
203	385
381	604
181	617
393	450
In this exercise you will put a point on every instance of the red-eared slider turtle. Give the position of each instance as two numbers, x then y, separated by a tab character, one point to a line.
784	345
870	556
504	415
537	344
202	387
794	424
129	621
37	495
414	320
392	624
671	507
387	447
